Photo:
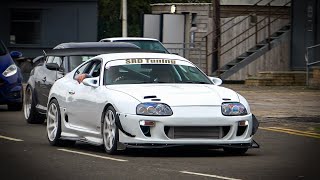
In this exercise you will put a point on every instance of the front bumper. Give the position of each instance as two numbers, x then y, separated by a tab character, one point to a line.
253	144
195	126
11	93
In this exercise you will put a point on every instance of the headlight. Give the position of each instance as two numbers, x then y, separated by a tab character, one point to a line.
233	109
11	70
153	109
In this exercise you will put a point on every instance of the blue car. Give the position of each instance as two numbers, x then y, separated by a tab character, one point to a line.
11	89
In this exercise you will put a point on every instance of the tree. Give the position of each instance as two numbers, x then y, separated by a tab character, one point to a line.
109	18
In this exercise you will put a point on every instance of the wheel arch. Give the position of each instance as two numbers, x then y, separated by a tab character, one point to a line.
52	98
104	111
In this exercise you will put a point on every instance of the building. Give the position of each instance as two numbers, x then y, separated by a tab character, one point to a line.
253	35
31	26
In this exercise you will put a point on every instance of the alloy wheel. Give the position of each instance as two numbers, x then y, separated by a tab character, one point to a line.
52	122
27	103
109	130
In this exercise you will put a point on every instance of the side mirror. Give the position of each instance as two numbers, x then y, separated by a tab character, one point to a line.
52	66
215	80
93	82
15	54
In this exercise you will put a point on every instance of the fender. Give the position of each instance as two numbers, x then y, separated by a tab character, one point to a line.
255	124
118	124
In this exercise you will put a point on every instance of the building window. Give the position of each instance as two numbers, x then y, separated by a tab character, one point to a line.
25	26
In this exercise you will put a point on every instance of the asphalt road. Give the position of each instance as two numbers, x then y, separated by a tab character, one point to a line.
282	155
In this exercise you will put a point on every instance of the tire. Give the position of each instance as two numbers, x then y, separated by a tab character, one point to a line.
54	125
235	151
29	107
110	132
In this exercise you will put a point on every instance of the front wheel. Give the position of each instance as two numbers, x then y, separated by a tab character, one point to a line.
110	132
54	125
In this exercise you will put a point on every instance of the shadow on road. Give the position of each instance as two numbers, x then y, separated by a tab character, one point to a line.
159	152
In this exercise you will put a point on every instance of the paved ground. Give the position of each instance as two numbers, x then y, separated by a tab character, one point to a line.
286	106
289	150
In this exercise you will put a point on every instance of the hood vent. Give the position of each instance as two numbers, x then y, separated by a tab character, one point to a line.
149	97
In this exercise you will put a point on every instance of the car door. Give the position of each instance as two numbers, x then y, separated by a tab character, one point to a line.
46	80
82	101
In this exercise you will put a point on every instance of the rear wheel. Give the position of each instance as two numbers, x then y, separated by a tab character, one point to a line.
29	108
235	151
54	125
110	132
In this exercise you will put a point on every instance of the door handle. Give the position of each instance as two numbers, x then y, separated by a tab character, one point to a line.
44	79
71	92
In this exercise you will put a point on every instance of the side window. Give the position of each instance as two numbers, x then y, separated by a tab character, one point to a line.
96	69
57	60
83	69
50	59
92	68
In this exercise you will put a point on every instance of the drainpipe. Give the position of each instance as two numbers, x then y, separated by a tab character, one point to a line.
124	19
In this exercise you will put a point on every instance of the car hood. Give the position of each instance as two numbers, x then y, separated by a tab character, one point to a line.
179	94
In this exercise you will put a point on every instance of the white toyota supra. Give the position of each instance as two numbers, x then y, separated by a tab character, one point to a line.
147	100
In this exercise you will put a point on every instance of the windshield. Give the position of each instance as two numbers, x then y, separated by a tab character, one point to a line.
147	45
75	61
153	73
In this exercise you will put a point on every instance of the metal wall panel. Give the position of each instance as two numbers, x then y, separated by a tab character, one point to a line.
173	27
304	31
151	26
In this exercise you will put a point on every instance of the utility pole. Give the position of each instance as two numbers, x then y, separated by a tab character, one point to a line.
124	19
215	34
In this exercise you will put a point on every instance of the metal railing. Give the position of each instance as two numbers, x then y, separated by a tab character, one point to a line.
311	50
250	11
190	51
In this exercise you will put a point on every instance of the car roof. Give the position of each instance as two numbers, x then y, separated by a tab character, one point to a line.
94	45
92	48
138	55
129	38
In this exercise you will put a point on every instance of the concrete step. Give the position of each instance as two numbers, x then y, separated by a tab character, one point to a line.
278	78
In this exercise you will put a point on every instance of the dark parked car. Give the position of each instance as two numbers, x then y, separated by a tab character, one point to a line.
58	62
11	90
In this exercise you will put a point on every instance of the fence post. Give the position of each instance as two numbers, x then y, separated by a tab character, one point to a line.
269	24
307	67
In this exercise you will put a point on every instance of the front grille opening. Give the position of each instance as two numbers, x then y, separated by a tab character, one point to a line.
146	130
225	130
166	130
241	130
199	132
15	94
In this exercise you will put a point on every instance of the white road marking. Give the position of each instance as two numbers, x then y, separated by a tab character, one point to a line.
208	175
93	155
10	138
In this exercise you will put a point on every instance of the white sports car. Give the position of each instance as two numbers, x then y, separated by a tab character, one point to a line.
147	100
